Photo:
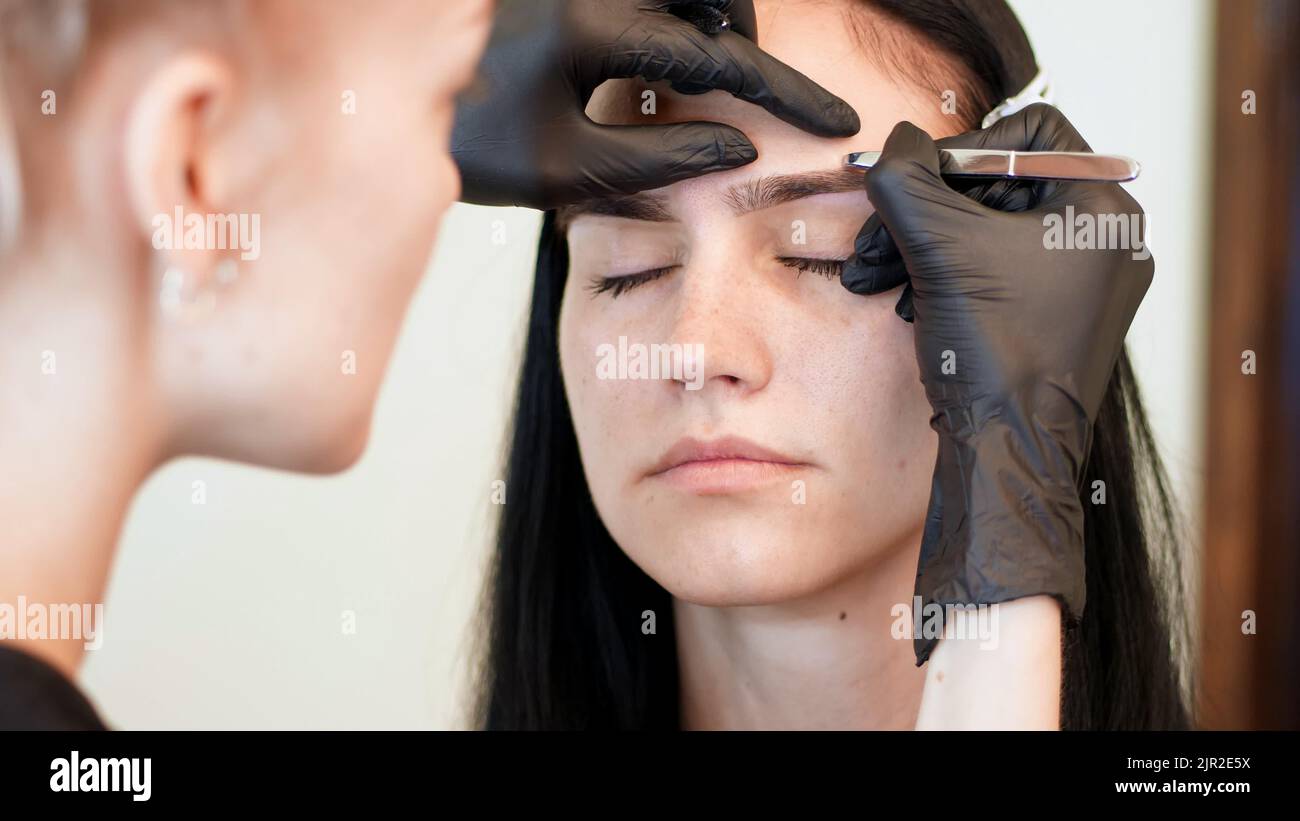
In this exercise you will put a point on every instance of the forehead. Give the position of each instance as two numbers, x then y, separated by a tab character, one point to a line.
815	38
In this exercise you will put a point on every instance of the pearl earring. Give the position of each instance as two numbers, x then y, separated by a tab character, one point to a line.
183	296
227	272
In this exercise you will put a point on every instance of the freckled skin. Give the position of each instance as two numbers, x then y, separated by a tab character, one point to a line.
793	362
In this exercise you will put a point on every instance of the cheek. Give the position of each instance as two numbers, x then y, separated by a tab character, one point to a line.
885	384
346	234
855	359
599	411
871	415
619	423
377	201
576	378
896	439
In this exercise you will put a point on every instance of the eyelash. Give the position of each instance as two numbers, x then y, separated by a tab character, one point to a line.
829	268
614	286
621	285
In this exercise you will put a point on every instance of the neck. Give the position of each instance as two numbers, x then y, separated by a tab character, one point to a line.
76	441
824	661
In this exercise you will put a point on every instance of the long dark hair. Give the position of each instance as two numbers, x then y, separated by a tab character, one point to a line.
563	605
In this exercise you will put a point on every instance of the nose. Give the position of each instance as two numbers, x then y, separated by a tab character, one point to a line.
717	314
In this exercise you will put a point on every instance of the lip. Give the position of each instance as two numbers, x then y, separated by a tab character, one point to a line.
721	466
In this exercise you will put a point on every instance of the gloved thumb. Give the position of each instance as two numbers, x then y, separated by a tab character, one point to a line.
908	192
623	159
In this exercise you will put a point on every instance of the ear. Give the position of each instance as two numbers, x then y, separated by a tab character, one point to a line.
170	153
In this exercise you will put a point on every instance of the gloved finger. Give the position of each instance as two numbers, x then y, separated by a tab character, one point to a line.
680	53
911	198
984	190
867	279
712	17
906	308
997	194
744	21
1038	127
876	264
624	159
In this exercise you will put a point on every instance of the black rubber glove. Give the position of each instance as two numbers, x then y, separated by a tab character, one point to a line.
522	136
1030	336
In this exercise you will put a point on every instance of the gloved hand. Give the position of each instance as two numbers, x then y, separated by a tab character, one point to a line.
1015	343
524	138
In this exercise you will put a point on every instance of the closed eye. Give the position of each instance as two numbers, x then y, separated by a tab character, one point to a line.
829	268
615	286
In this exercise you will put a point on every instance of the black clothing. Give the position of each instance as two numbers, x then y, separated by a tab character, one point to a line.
35	696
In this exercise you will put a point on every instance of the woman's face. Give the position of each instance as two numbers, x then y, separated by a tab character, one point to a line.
800	452
336	136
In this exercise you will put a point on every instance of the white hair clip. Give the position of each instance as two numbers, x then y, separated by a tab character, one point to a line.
1038	90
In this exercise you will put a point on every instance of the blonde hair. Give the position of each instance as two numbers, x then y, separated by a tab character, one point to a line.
11	184
49	34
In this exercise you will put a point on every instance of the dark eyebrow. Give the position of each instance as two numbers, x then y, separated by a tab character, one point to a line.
742	198
768	192
644	207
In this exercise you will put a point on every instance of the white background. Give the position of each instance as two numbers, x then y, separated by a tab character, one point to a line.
229	614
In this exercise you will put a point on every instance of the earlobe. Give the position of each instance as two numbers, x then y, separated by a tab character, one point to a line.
168	148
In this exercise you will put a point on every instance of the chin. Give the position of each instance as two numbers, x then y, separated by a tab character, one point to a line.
341	451
319	449
335	460
735	568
